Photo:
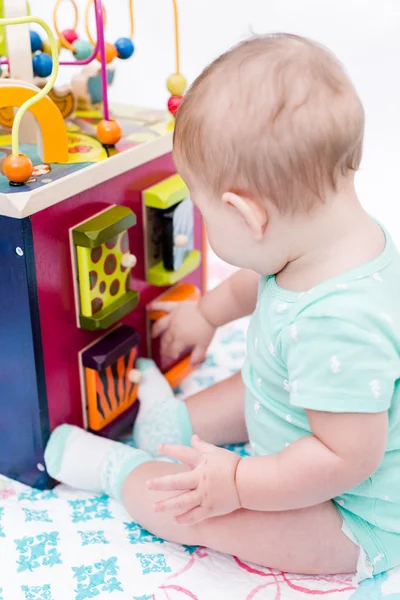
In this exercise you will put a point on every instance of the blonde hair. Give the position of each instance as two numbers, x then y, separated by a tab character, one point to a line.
277	117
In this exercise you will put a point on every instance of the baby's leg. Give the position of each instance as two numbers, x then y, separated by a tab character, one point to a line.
215	414
308	541
302	541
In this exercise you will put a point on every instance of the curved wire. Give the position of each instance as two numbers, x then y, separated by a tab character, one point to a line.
87	26
64	42
26	105
176	24
131	20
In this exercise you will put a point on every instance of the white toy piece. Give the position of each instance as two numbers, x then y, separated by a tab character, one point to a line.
20	60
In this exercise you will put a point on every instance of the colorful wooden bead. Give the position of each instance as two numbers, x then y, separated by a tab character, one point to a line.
111	53
17	169
109	132
174	103
47	48
129	261
125	47
176	84
135	376
70	35
42	64
83	49
181	240
36	41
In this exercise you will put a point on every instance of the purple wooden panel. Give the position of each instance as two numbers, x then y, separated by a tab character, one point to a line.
62	340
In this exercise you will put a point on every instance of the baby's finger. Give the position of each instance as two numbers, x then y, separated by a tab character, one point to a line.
182	503
202	446
166	343
172	483
191	517
162	306
183	454
160	326
175	349
197	356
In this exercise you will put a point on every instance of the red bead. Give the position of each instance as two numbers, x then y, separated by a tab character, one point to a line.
174	103
18	169
70	35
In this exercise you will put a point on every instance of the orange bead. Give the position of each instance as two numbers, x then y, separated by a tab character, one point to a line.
111	53
18	169
109	132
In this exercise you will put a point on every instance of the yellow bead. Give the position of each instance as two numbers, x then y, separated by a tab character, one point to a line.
46	46
176	84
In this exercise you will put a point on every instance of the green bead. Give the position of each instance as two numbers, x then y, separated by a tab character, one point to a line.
83	49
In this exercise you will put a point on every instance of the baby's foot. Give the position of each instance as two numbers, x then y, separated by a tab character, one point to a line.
89	462
162	418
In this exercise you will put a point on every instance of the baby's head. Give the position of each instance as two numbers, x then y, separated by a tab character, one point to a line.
270	130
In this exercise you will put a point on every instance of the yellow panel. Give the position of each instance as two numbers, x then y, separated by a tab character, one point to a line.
167	193
158	276
102	279
50	121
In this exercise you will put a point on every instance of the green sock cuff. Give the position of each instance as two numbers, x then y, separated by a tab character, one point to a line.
55	449
116	471
185	424
140	458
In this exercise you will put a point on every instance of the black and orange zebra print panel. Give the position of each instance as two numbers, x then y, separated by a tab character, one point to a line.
108	366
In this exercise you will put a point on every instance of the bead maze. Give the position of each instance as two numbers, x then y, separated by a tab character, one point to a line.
95	223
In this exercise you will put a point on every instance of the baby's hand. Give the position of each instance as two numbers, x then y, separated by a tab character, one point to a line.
208	489
184	327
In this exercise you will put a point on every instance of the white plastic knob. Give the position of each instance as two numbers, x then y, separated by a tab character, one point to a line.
181	240
135	376
129	261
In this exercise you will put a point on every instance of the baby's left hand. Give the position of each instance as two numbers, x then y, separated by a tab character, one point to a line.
208	489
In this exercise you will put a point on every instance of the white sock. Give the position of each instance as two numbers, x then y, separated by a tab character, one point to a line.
89	462
162	418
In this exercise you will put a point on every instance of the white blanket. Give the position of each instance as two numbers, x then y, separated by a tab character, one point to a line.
68	545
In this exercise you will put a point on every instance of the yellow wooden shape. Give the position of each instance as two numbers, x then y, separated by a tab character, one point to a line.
167	193
102	279
48	117
158	276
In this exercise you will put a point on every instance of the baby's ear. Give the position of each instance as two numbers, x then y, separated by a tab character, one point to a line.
252	212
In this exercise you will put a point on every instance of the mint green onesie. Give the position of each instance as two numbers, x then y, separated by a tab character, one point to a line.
334	348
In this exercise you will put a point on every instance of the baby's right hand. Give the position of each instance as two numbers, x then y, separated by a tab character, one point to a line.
183	327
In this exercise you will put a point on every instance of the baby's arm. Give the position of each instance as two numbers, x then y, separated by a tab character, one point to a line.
344	450
191	324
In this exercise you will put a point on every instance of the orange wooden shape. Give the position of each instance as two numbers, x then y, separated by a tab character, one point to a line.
111	390
48	117
181	292
178	372
18	169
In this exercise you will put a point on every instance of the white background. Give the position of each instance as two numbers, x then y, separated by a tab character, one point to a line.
365	34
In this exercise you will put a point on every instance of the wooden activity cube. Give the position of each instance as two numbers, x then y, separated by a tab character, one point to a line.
81	258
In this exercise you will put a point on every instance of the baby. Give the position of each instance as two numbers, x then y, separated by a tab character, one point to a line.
268	139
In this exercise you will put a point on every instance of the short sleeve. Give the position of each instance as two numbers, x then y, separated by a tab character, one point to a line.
337	366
